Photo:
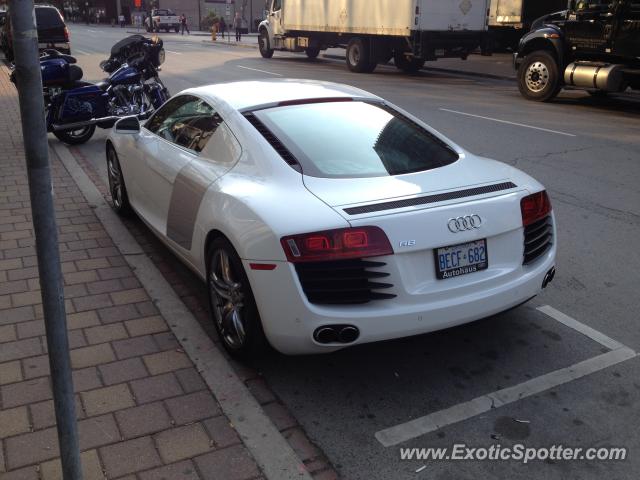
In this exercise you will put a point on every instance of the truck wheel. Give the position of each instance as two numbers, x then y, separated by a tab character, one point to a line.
538	77
407	65
263	45
359	56
312	52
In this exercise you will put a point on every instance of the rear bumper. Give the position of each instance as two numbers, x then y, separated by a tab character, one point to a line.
62	47
289	320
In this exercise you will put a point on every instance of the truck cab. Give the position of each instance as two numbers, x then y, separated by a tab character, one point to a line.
594	45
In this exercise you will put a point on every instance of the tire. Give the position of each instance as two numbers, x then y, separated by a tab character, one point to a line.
233	308
408	66
312	52
263	44
76	137
177	29
117	187
538	77
359	56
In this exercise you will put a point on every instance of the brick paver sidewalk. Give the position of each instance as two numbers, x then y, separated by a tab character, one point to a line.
144	411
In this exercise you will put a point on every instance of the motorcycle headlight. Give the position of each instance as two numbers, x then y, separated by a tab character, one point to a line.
161	56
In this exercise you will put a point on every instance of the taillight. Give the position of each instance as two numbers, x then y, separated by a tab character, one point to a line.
66	34
535	207
339	244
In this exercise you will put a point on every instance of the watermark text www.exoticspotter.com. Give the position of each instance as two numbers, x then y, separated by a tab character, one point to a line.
517	453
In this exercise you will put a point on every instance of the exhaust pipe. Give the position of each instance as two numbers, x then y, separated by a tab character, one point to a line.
348	334
548	278
56	127
325	335
75	125
336	334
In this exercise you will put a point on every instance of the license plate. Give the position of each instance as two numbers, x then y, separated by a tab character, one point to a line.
461	259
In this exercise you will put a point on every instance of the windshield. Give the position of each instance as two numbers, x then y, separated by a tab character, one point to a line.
355	139
48	17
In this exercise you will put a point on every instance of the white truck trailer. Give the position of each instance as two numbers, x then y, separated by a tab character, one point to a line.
375	31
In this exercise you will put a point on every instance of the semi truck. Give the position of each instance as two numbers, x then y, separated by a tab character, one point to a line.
509	20
594	45
375	31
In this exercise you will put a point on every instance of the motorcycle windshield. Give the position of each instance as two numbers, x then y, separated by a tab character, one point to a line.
126	43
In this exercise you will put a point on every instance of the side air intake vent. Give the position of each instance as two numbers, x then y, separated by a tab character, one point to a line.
538	238
344	282
272	139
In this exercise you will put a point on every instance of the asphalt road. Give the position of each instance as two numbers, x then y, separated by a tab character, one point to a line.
586	151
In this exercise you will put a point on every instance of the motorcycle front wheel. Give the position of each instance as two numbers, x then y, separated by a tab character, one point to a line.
76	137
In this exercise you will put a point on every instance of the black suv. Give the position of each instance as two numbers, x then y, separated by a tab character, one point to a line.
52	31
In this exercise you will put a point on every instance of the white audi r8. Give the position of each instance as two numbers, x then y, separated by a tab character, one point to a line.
322	216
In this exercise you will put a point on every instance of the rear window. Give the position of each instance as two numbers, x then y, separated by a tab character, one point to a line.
164	13
48	17
355	139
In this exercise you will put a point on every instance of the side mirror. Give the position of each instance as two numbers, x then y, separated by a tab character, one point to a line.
128	125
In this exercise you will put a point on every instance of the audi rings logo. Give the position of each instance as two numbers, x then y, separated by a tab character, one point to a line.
462	224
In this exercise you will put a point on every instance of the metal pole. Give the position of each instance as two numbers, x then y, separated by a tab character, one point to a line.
34	134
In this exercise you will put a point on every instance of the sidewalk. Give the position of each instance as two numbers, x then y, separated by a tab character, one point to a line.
144	411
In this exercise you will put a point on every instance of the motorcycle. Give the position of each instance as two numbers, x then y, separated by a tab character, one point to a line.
75	108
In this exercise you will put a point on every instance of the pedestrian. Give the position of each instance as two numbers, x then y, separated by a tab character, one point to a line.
121	20
183	24
222	26
237	23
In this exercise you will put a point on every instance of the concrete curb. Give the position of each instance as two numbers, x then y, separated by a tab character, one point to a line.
224	43
269	448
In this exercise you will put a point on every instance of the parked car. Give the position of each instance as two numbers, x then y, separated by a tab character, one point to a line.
52	31
164	19
322	216
3	19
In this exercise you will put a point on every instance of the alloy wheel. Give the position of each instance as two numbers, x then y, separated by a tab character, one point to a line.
115	179
227	298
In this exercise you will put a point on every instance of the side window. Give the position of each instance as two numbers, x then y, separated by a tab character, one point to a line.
186	121
595	5
277	5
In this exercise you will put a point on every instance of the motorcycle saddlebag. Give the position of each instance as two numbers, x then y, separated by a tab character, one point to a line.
58	73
